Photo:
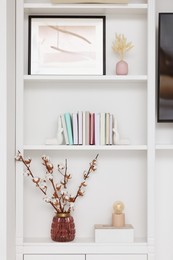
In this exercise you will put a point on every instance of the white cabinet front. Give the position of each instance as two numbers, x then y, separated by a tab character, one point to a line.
116	257
54	257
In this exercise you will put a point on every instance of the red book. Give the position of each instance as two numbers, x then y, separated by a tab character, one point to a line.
92	129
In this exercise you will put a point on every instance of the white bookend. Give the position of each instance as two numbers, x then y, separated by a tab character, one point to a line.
110	234
75	127
80	127
64	129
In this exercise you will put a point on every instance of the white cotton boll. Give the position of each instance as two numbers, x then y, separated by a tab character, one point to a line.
61	166
43	184
26	173
47	200
67	197
63	191
36	180
45	158
49	176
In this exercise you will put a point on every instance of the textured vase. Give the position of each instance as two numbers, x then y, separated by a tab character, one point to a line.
122	68
63	228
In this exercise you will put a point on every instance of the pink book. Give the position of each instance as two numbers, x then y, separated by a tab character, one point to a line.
92	129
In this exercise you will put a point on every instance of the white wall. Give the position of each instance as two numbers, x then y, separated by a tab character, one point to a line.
10	52
3	129
7	133
164	177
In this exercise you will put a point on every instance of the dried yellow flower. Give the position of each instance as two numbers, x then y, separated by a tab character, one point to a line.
121	46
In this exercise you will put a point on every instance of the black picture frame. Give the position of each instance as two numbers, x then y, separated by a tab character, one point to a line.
66	45
165	68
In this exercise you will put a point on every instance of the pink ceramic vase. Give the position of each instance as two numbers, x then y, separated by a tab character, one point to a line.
122	68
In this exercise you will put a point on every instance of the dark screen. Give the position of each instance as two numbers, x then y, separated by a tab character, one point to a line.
165	68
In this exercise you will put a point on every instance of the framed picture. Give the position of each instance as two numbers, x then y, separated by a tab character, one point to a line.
66	45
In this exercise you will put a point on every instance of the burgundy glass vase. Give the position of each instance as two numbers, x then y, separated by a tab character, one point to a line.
63	228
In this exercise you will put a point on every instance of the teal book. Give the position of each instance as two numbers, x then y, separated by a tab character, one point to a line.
69	127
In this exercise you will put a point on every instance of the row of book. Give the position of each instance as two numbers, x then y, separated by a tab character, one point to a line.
87	128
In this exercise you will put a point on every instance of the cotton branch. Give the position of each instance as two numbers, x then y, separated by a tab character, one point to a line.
26	163
60	200
92	168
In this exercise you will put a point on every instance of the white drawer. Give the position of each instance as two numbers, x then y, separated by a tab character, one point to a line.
54	257
116	257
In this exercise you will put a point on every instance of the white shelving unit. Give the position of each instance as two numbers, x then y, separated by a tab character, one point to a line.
125	172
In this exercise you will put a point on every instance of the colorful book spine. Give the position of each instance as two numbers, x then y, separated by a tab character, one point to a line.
111	127
87	127
92	129
75	127
97	128
69	127
83	129
80	127
102	128
107	125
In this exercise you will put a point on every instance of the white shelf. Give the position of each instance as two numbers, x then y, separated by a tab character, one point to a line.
81	245
104	78
77	240
48	8
85	147
164	147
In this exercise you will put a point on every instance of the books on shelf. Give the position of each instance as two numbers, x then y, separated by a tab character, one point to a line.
89	1
87	128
